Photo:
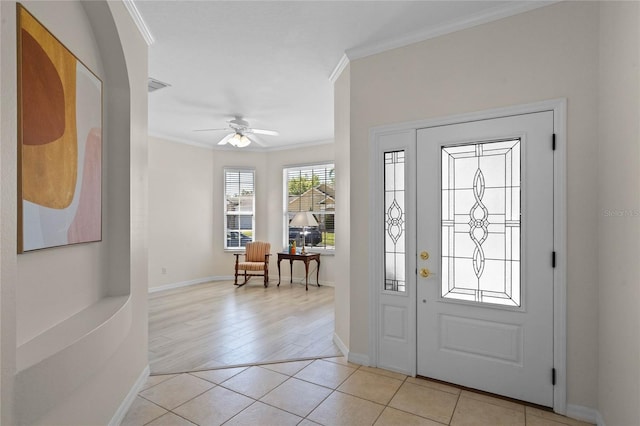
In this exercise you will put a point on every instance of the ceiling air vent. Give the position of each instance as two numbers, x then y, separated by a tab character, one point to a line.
153	85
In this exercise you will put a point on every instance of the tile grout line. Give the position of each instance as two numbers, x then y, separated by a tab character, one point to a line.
453	412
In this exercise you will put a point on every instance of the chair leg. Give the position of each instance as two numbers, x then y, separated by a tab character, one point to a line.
235	281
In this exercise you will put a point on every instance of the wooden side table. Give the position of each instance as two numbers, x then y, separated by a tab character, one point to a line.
306	258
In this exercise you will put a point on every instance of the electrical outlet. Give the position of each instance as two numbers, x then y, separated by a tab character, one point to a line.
164	271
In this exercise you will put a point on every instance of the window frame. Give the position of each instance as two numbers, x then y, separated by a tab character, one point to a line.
286	171
226	212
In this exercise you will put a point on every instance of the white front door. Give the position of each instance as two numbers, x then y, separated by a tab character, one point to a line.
485	246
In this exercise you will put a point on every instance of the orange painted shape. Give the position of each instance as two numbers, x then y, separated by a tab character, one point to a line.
42	95
49	171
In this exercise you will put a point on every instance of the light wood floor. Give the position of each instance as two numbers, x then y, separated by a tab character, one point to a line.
217	324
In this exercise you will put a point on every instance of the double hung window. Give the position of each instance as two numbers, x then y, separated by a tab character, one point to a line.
239	205
311	189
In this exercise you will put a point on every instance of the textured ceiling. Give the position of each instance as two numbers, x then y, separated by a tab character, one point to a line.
270	61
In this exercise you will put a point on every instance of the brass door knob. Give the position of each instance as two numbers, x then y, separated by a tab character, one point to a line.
424	255
424	272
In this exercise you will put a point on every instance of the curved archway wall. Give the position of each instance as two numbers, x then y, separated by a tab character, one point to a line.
74	319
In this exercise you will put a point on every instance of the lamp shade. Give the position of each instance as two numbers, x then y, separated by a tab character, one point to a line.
244	141
302	219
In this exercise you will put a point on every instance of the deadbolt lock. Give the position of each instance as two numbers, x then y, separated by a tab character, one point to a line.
424	272
424	255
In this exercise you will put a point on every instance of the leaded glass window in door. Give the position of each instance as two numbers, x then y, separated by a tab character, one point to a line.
481	222
394	221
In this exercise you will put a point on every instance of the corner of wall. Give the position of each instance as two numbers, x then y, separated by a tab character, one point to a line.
342	131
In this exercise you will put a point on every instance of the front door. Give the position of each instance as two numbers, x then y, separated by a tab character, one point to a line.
485	245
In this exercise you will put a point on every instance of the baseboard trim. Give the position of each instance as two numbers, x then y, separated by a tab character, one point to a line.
130	398
229	278
340	344
585	414
300	280
360	359
190	282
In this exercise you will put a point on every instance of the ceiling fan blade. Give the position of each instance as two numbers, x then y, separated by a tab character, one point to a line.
226	139
210	130
258	142
264	132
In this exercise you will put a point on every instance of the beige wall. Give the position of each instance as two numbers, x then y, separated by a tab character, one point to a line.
543	54
619	214
276	161
186	202
343	270
43	292
181	207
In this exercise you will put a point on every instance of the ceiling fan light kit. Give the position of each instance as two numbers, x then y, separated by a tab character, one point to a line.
239	141
240	128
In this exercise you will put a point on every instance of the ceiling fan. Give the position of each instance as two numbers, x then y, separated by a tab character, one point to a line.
239	131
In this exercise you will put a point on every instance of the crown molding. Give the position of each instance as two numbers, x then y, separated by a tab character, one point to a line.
139	21
487	16
215	147
495	14
337	70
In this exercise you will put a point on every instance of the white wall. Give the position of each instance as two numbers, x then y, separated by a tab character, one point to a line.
181	209
619	214
342	130
543	54
42	292
186	223
58	283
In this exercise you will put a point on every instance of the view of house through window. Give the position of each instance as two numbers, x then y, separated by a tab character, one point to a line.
311	189
239	204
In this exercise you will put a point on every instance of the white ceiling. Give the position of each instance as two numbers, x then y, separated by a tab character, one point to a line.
270	61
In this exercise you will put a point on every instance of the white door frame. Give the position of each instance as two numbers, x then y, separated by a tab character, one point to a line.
376	242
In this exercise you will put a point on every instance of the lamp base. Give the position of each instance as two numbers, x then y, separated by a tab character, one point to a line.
303	251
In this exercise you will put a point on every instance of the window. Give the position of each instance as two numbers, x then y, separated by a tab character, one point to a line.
394	222
239	204
481	222
311	189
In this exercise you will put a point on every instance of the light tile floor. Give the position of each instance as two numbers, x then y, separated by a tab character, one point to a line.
327	391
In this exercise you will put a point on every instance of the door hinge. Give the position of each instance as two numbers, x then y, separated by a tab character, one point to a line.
553	376
553	142
553	259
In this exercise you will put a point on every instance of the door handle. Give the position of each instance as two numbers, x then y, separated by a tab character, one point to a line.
424	272
424	255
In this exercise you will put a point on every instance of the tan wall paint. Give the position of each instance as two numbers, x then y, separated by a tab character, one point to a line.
181	208
58	283
543	54
619	214
276	162
344	167
186	209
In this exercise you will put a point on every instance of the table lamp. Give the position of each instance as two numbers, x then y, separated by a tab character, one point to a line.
303	219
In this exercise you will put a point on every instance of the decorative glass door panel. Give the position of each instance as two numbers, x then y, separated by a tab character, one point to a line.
394	221
481	222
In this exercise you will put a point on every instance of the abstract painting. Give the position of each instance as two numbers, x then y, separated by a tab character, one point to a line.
59	142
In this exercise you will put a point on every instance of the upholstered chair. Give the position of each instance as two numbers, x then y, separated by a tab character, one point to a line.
256	262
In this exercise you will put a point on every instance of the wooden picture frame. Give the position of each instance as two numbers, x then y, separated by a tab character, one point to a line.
59	142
